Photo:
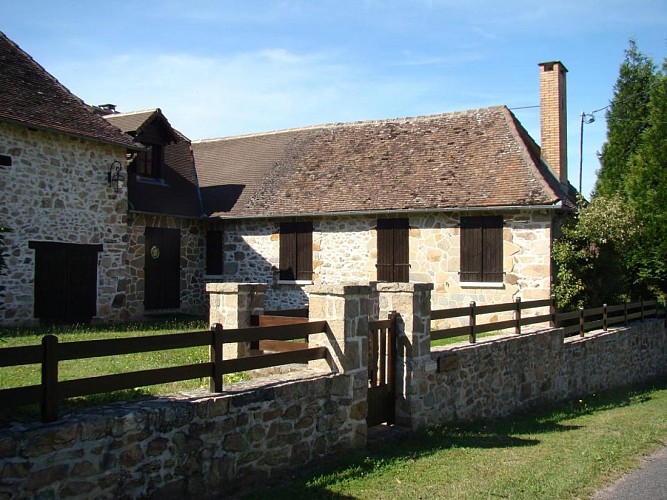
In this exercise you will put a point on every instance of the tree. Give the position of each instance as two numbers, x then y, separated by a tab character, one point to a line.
646	189
591	268
626	120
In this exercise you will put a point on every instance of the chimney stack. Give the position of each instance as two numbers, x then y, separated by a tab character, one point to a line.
553	117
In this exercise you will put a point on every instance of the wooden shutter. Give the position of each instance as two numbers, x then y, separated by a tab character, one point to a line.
393	251
296	251
471	249
492	250
482	249
304	251
214	253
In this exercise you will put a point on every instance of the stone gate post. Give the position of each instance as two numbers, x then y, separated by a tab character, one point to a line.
346	309
412	302
232	305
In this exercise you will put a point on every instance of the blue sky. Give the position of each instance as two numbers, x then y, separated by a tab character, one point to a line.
220	68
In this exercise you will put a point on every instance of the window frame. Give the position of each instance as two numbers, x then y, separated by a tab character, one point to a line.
393	250
481	252
149	163
296	253
215	260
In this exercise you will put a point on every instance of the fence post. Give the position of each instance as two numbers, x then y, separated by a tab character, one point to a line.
49	378
625	313
517	316
216	358
605	317
664	308
473	323
582	321
552	311
641	306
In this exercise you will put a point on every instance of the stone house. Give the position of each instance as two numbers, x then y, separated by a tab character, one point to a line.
66	249
467	201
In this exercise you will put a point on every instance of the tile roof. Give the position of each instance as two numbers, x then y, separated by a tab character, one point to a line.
30	96
178	191
133	122
478	158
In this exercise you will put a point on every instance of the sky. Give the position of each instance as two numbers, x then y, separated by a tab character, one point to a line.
224	68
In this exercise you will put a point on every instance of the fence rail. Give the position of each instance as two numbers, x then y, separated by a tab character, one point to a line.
573	322
51	352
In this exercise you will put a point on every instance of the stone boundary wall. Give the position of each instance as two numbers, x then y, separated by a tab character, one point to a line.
202	444
192	446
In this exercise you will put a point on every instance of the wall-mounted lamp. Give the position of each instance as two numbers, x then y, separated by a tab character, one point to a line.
114	176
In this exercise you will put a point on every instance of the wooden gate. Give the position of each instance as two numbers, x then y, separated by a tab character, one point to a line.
381	371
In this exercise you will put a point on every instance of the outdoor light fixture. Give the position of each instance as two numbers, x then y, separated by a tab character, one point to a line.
114	176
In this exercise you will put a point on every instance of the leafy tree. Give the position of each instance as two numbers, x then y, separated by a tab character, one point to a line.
626	119
590	254
646	188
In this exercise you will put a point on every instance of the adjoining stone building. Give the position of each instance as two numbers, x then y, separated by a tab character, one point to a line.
65	251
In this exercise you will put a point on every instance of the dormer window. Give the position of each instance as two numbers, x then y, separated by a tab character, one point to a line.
149	163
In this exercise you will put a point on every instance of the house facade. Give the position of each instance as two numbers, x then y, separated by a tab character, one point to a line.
65	252
463	200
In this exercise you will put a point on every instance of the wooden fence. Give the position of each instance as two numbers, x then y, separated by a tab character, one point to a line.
51	352
573	322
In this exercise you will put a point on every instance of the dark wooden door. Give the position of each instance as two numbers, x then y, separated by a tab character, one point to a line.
65	282
162	269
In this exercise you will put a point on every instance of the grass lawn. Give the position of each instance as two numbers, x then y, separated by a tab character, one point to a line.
563	453
18	376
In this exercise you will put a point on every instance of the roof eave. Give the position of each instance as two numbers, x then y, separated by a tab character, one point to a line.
133	146
556	206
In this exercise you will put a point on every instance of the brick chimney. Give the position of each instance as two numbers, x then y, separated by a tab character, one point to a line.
553	117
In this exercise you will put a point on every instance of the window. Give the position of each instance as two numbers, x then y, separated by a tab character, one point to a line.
482	249
148	163
5	161
214	253
393	252
296	251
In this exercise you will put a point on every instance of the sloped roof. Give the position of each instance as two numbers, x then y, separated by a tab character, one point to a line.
479	158
30	96
177	193
134	122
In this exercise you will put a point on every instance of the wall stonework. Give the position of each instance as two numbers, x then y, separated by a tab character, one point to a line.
186	446
56	190
345	251
193	261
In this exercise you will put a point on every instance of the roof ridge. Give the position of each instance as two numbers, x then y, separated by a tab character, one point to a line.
359	123
136	112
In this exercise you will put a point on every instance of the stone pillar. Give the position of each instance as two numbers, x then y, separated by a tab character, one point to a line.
412	302
345	309
232	305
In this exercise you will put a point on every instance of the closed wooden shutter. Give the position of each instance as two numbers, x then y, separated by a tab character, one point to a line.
471	249
214	253
482	249
492	250
393	251
296	251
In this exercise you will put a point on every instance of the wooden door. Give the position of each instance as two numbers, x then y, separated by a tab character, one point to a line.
162	269
65	282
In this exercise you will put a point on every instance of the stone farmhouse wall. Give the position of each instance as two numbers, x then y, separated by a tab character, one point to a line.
199	444
193	260
56	190
345	250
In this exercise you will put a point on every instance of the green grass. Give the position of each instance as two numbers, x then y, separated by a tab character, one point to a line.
565	453
19	376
